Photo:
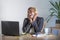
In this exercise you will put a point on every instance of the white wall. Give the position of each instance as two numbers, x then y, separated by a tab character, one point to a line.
16	10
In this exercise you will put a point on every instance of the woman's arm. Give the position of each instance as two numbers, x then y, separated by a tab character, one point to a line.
26	26
38	26
41	24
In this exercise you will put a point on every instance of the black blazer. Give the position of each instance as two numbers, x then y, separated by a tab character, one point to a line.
37	24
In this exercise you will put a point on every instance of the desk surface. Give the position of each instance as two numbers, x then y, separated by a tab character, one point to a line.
29	37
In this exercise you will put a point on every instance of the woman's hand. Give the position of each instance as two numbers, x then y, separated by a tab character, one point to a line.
32	19
35	16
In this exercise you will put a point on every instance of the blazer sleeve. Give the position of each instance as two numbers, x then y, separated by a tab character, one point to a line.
38	25
41	23
26	25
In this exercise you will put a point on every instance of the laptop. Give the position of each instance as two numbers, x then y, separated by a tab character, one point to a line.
10	28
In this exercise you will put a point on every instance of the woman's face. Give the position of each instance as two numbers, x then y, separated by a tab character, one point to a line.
31	13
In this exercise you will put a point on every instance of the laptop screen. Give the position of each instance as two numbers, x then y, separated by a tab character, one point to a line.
10	28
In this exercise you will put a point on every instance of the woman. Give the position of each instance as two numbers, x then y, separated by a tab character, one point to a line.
32	21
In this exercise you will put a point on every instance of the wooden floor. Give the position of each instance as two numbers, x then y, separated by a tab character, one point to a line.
29	37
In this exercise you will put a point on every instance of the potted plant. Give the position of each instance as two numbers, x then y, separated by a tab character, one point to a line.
55	11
